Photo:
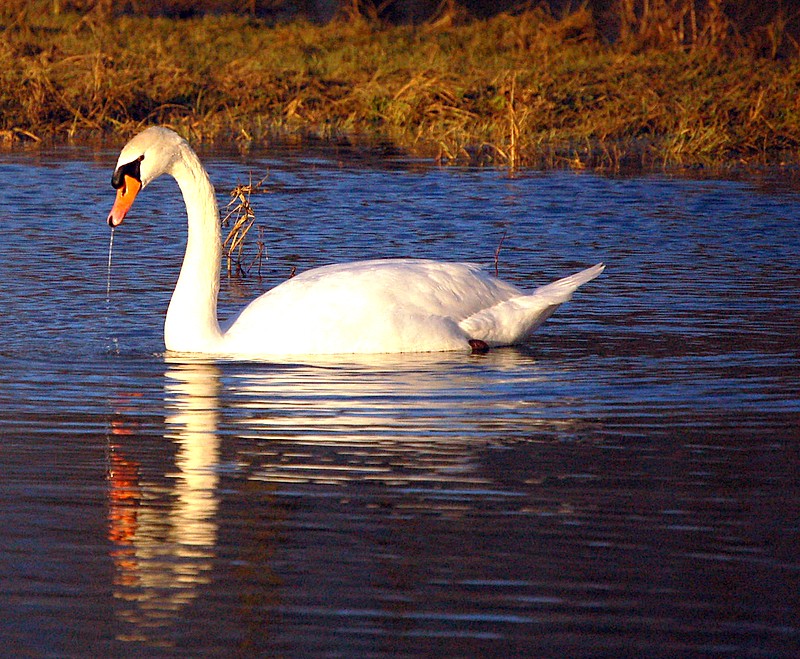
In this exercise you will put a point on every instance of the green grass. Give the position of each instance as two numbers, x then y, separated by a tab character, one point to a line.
524	90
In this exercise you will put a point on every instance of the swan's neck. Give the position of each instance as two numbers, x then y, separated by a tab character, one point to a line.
191	324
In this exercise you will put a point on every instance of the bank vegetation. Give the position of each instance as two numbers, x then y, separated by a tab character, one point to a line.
678	84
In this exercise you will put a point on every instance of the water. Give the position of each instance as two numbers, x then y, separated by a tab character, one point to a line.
625	485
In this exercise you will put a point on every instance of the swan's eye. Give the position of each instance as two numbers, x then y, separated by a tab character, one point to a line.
131	169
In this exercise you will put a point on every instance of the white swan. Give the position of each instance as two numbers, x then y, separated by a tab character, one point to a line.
382	306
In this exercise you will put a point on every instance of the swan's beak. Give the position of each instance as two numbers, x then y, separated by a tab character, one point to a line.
125	196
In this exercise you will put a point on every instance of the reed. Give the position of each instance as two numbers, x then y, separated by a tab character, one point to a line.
239	219
525	89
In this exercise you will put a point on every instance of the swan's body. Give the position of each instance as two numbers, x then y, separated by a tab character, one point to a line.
401	305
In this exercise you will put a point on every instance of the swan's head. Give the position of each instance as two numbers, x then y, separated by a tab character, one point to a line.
147	156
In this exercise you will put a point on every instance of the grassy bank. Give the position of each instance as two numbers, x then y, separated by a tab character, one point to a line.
522	90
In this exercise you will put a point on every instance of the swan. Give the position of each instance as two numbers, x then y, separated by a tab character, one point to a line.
378	306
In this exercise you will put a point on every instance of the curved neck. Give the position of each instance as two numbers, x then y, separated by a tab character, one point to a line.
191	324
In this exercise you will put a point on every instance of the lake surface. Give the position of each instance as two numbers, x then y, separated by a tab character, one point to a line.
625	485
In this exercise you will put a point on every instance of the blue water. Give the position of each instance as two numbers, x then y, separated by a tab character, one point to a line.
624	485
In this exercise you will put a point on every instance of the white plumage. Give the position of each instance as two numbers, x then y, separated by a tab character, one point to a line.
381	306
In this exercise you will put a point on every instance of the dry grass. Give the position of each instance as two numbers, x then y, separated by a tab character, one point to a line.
515	90
239	220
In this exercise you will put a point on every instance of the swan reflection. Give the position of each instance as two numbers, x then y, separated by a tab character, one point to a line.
411	432
164	530
386	419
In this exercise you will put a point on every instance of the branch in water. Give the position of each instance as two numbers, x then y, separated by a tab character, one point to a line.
497	255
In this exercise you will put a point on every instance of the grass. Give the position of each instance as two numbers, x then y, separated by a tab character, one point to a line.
515	90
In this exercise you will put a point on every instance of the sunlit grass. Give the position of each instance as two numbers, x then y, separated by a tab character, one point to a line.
513	90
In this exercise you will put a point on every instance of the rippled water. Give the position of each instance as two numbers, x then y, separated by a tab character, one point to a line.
625	485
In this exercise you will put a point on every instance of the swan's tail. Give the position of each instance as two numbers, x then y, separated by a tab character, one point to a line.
511	321
561	290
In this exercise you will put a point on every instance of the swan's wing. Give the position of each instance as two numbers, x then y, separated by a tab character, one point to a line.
393	306
510	321
369	306
453	290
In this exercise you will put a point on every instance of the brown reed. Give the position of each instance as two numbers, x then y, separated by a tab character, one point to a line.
239	220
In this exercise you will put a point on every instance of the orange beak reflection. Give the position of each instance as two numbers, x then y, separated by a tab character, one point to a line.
125	196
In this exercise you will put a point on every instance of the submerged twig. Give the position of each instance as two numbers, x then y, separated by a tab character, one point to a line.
261	251
497	254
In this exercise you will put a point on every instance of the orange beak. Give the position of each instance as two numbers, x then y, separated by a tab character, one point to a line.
122	204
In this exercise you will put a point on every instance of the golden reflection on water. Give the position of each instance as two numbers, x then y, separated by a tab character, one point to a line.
165	534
